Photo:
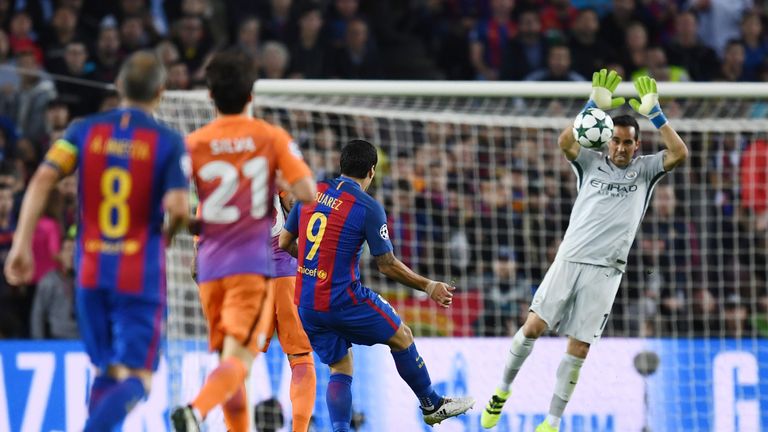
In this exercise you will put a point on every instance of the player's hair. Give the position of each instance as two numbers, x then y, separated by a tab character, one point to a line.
627	121
230	76
357	158
141	77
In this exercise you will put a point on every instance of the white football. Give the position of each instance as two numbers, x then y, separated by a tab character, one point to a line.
592	128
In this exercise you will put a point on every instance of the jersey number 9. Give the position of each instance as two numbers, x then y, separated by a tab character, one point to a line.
115	189
316	238
215	208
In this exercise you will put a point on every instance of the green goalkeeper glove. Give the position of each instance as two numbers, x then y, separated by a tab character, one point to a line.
648	105
604	83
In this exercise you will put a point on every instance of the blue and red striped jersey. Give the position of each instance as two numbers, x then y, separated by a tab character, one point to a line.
128	161
331	234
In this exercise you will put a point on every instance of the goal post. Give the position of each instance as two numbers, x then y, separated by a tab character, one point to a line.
478	194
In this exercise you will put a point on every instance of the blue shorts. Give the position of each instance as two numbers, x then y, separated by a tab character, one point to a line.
120	329
371	321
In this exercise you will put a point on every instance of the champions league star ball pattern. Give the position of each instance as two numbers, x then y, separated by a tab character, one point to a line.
592	128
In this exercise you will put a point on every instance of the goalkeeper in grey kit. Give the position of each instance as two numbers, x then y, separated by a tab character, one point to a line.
578	290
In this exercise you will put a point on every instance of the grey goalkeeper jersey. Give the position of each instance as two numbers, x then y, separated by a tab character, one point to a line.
610	204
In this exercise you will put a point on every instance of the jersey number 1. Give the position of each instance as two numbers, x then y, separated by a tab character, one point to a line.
215	208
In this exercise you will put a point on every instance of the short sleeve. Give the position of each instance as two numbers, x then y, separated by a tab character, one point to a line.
178	166
653	166
63	153
376	230
289	160
584	161
292	222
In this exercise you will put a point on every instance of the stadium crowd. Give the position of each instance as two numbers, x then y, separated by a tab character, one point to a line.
484	205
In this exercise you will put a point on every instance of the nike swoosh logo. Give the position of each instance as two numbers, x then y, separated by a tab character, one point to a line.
573	383
601	169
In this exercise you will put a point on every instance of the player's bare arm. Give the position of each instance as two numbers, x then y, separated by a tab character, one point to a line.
176	204
288	243
394	269
19	266
304	189
648	106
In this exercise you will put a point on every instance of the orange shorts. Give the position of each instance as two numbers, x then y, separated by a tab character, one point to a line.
235	306
291	334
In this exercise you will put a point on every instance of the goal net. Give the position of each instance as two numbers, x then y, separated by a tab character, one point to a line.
478	194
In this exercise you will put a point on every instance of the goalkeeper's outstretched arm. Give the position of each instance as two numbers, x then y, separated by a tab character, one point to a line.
677	151
648	106
568	144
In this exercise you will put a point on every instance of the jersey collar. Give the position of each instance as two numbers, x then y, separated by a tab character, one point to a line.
350	180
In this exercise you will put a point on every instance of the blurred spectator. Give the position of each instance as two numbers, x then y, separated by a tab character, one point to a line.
589	52
670	252
46	242
754	182
108	54
489	40
26	107
527	51
657	67
22	35
133	35
719	21
274	60
755	47
82	97
687	50
557	18
356	60
213	20
137	9
178	77
53	311
632	55
732	67
61	31
167	52
558	67
342	14
10	323
248	36
402	222
705	314
194	45
277	25
614	27
503	293
9	77
736	317
57	117
308	50
110	101
67	189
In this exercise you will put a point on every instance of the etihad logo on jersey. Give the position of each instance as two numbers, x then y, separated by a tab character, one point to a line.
315	273
328	201
128	247
232	145
612	189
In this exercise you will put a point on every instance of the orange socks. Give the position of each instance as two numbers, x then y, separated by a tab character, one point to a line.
303	389
221	385
236	411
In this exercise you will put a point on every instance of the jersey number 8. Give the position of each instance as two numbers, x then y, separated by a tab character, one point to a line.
116	186
215	208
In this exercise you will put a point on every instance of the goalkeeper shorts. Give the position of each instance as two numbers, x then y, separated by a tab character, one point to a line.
576	298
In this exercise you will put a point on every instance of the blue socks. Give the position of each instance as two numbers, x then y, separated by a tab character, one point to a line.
414	372
115	404
338	396
101	385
